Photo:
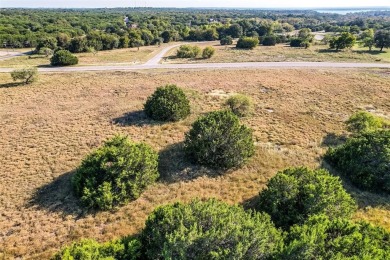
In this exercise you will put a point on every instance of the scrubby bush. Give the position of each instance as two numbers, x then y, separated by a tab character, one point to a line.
45	51
228	40
269	40
247	43
208	52
188	51
296	42
28	75
362	122
63	58
85	249
240	105
167	103
334	238
209	230
115	173
219	140
365	160
297	193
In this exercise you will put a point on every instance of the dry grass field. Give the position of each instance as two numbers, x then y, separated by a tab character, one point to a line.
281	52
128	56
49	126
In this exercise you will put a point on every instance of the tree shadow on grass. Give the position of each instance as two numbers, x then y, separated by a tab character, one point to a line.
58	196
135	118
175	167
363	198
332	139
12	84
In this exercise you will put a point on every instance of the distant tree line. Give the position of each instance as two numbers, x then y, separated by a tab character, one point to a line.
105	29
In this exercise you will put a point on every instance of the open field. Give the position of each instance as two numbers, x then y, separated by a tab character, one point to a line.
49	126
282	52
127	56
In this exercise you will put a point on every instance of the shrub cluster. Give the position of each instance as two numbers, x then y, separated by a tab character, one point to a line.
208	52
322	237
63	58
240	105
28	75
115	173
226	40
209	230
362	122
297	193
365	160
167	103
124	249
188	51
269	40
247	42
219	140
296	42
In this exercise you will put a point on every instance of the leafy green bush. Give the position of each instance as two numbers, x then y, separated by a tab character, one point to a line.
123	249
365	160
28	75
63	58
115	173
228	40
209	230
219	140
240	105
188	51
167	103
345	40
296	193
362	122
296	42
327	238
247	43
208	52
269	40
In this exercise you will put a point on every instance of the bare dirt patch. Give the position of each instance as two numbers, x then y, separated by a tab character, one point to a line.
49	126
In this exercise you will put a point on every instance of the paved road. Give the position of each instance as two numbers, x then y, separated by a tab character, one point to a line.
5	55
154	64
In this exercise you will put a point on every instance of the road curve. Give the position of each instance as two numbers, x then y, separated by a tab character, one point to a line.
153	63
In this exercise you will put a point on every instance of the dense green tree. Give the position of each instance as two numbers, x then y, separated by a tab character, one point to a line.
345	40
63	58
188	51
227	40
115	173
362	122
268	40
365	160
247	43
323	237
219	140
168	103
295	194
209	230
208	52
235	31
87	249
382	39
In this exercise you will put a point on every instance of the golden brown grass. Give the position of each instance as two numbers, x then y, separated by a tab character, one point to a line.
49	126
282	52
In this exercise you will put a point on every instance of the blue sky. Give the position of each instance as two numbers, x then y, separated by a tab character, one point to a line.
194	3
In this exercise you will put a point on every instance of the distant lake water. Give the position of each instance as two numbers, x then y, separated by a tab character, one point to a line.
346	11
